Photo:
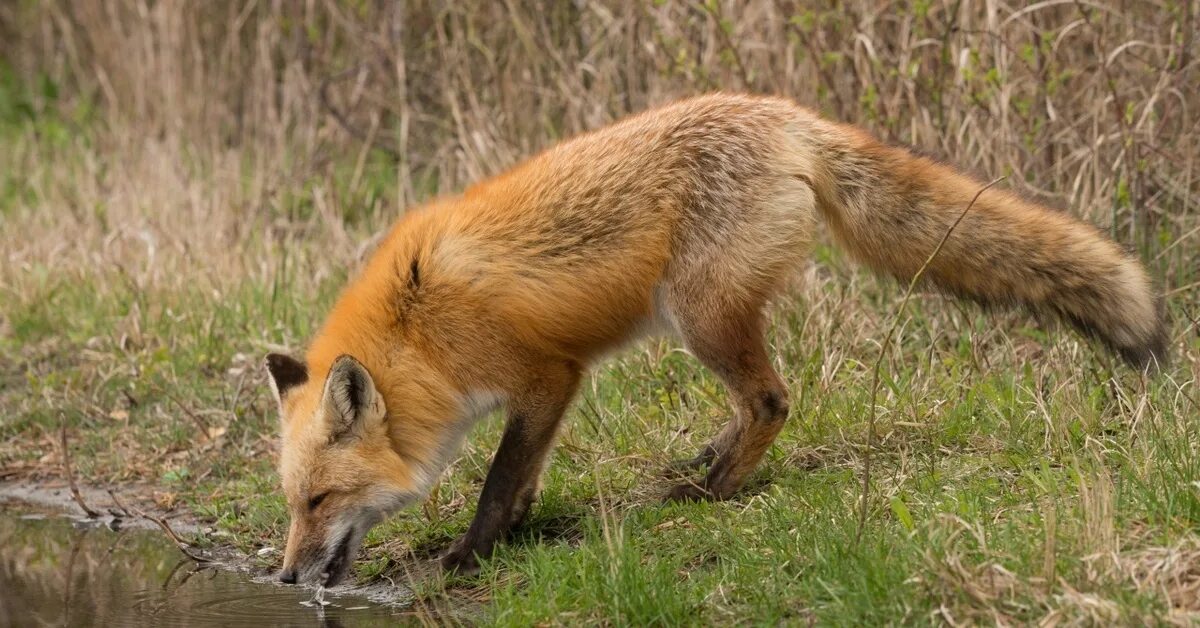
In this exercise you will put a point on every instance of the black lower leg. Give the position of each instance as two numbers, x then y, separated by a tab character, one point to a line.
494	516
513	477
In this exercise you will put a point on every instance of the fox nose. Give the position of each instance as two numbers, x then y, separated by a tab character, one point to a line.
288	576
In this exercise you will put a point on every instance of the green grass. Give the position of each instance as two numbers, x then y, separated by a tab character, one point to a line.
1016	491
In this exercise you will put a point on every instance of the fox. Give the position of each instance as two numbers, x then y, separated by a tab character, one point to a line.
684	220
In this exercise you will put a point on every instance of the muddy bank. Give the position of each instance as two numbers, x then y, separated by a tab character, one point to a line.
60	568
55	497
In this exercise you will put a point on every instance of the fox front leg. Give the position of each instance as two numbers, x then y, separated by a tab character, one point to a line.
533	420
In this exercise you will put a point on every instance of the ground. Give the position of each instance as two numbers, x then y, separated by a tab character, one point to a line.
1017	472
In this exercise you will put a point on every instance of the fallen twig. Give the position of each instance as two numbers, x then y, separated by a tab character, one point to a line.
11	472
166	527
66	460
117	502
887	341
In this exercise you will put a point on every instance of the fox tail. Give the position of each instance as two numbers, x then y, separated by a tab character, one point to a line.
890	209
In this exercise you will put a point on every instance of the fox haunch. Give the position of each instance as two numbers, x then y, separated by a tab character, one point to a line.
683	220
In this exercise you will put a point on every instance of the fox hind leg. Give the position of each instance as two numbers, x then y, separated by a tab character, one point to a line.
730	342
737	245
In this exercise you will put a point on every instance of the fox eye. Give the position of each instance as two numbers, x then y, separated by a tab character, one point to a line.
316	500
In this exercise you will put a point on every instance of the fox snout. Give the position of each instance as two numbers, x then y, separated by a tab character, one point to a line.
320	549
324	564
288	576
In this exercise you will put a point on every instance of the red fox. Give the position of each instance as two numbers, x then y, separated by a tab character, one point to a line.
682	220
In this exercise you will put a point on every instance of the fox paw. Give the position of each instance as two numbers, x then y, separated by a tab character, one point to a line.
461	558
688	492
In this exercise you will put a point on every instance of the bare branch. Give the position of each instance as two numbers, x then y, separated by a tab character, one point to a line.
66	461
166	527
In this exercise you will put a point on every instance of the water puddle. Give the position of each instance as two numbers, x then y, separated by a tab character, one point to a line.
53	572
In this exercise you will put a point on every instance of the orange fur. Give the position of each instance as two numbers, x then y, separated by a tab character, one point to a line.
684	219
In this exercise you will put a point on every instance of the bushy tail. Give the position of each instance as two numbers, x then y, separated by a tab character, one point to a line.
891	208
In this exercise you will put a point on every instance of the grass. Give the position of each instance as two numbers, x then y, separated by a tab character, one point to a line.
1015	491
157	245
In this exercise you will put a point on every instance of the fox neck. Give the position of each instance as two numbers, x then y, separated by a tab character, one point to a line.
429	443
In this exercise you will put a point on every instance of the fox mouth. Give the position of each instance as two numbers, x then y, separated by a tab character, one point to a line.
339	562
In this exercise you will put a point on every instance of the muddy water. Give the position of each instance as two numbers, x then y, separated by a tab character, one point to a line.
55	573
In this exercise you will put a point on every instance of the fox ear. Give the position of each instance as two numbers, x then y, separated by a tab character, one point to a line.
350	398
286	373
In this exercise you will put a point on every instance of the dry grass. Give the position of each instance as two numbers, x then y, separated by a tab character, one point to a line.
185	184
212	113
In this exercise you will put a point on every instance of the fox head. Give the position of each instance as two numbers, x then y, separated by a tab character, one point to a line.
340	473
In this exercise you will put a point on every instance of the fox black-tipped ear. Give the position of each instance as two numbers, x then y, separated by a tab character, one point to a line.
286	373
350	397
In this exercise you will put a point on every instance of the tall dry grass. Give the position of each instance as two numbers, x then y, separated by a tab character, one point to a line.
211	118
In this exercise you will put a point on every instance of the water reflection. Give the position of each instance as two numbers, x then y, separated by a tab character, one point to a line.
53	574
